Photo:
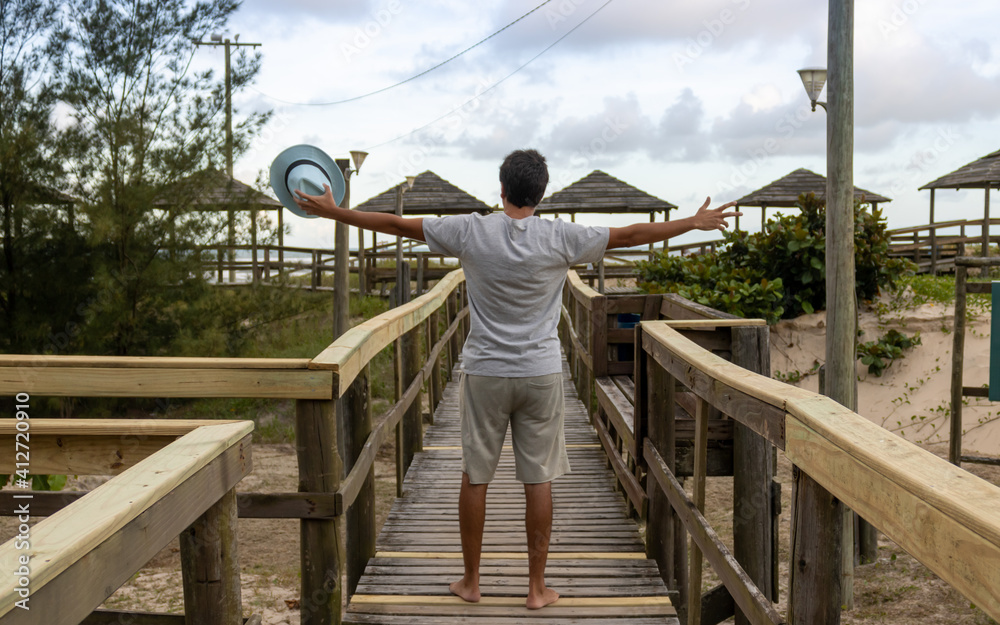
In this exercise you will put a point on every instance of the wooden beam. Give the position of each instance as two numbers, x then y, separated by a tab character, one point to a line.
83	553
320	469
749	398
210	566
633	490
747	596
170	382
946	518
350	352
149	362
618	409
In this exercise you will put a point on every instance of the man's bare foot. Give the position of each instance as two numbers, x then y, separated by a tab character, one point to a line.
540	600
467	591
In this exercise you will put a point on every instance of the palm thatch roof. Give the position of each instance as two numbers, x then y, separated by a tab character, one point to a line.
430	195
212	189
785	192
978	174
598	192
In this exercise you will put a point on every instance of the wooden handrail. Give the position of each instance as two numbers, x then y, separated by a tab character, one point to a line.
945	517
80	554
350	352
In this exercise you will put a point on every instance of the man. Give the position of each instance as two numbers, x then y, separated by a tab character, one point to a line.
515	266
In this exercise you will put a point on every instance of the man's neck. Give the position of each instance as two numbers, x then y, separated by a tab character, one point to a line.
517	212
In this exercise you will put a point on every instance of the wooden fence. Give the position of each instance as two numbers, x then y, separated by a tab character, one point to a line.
171	478
934	247
336	445
945	517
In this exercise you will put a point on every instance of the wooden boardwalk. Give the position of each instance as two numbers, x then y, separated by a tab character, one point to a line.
597	561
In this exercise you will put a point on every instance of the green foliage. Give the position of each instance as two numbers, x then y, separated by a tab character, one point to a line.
780	272
879	354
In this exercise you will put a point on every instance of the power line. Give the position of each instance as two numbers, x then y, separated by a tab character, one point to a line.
411	78
494	85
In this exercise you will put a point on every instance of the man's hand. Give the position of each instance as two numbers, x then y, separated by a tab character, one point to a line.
713	218
319	205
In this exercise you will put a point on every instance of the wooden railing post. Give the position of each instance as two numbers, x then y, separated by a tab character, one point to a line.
219	255
435	381
412	421
210	566
454	345
354	416
665	538
957	364
320	547
754	505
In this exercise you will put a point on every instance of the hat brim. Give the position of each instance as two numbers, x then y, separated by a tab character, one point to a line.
296	155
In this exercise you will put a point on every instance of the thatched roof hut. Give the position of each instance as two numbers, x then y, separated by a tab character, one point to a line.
430	195
598	192
784	193
983	173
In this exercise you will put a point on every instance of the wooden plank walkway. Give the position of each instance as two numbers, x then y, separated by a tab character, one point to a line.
596	562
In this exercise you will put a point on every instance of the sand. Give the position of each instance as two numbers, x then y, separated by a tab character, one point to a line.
912	397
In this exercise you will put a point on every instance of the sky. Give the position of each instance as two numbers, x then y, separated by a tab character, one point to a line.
683	99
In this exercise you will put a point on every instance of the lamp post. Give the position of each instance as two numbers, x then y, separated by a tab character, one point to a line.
402	279
342	251
815	592
217	40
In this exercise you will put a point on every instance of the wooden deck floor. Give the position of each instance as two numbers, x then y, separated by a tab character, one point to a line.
597	561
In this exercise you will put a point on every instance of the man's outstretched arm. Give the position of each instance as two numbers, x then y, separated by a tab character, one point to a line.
641	234
386	223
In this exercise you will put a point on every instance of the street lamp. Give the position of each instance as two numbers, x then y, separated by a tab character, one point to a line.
341	249
813	79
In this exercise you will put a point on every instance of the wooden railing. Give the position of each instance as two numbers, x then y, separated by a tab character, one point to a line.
171	478
332	396
934	247
946	518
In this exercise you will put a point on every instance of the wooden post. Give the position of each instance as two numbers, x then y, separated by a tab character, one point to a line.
354	416
753	476
362	264
453	343
662	524
934	249
698	498
957	365
316	278
412	421
399	251
814	574
600	276
342	262
281	240
210	566
815	588
253	246
320	547
421	261
986	223
435	381
219	255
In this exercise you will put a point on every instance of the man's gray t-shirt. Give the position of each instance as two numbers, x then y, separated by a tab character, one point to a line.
514	271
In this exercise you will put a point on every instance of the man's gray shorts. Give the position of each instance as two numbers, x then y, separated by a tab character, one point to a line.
534	408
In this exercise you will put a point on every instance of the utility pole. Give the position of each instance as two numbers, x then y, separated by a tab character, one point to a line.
217	40
815	592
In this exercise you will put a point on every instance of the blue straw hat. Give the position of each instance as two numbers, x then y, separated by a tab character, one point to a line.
306	168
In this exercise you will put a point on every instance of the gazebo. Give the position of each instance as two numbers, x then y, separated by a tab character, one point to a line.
598	192
784	193
980	174
428	194
213	190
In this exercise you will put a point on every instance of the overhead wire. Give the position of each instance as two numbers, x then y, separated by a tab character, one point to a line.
494	85
411	78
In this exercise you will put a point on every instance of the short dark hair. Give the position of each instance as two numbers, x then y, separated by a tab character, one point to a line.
524	176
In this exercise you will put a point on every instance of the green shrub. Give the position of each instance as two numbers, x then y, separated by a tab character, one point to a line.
878	355
780	272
